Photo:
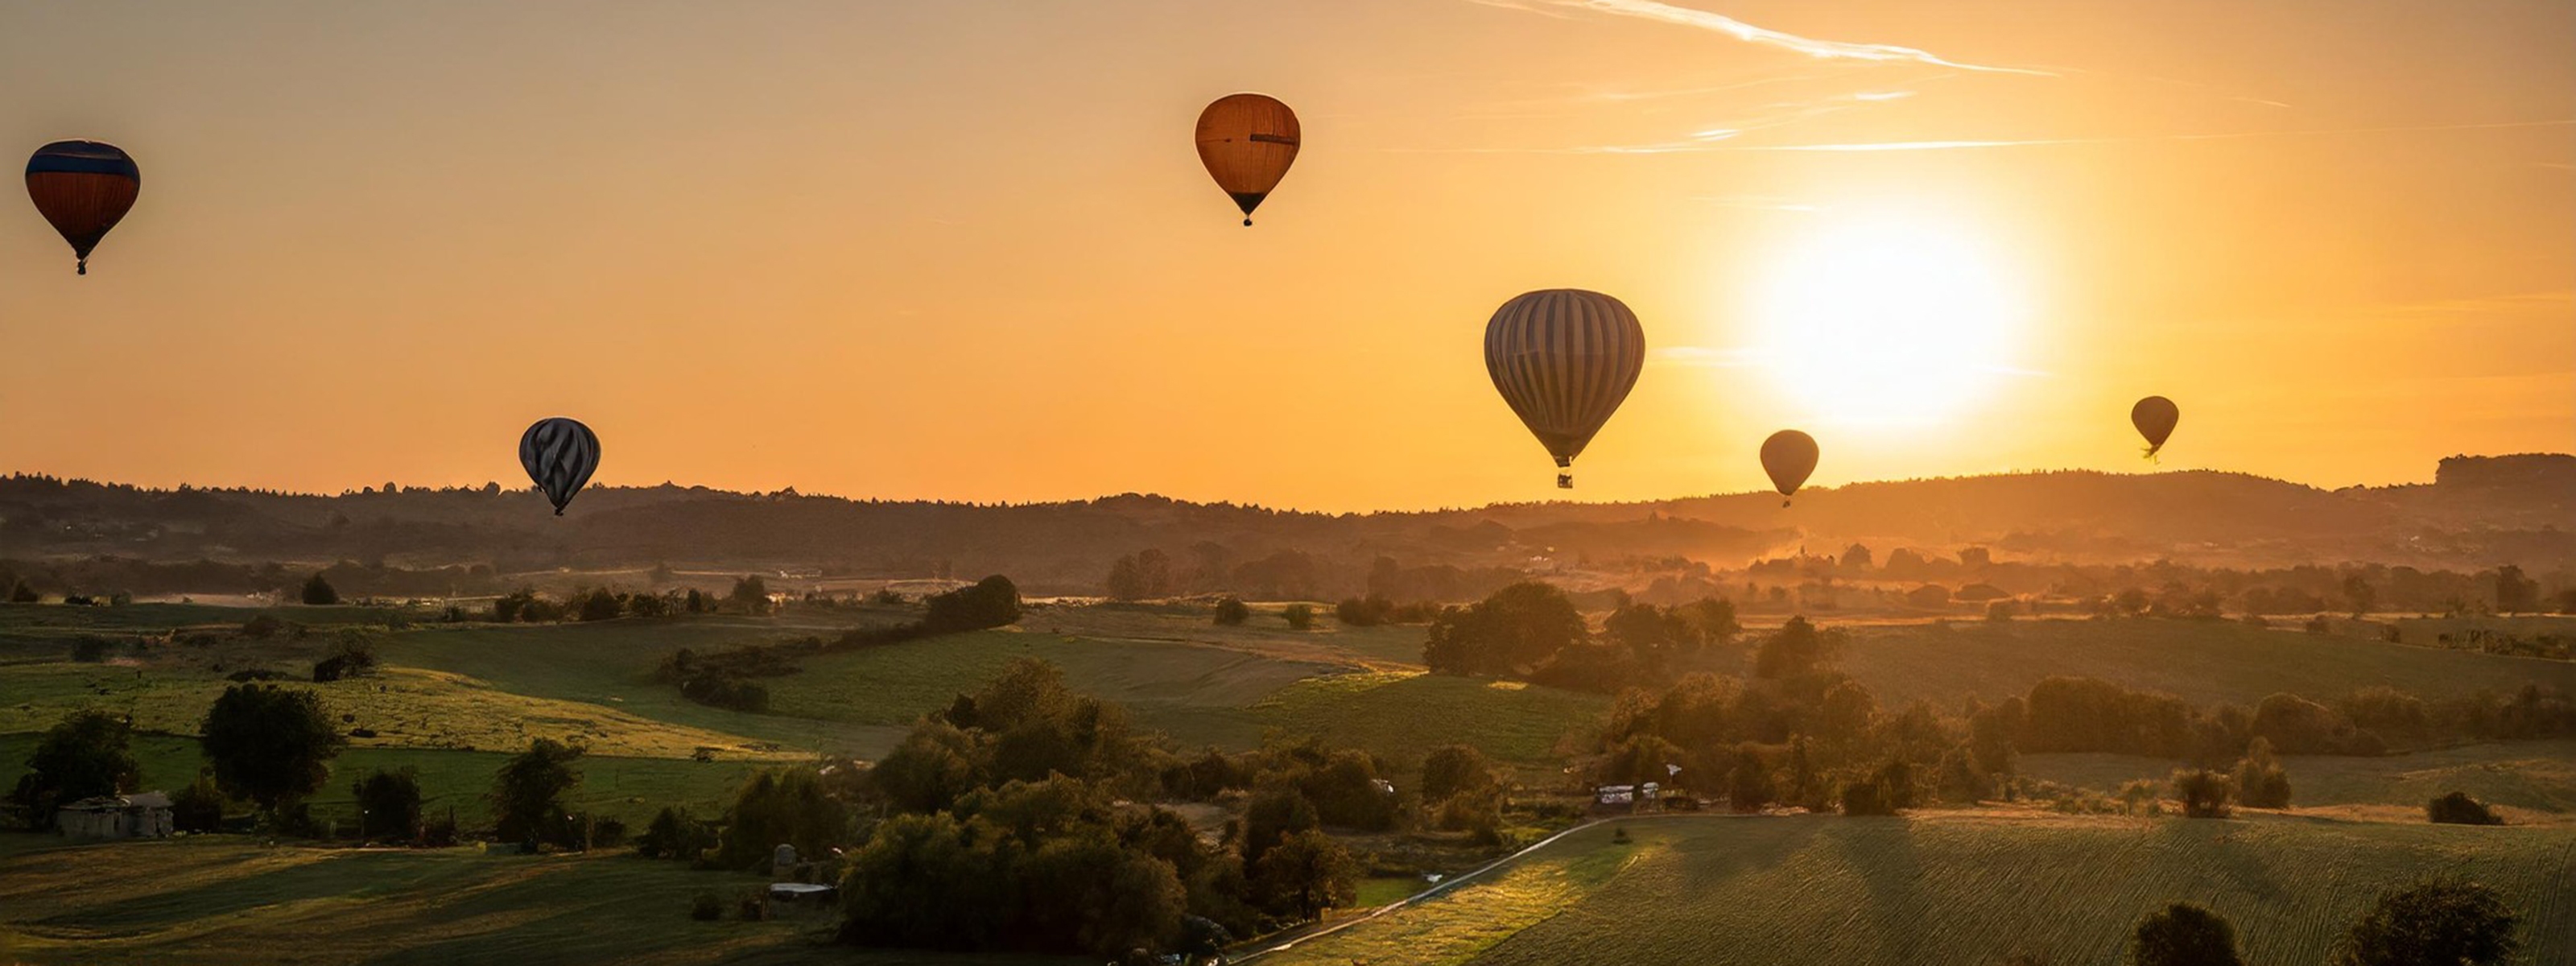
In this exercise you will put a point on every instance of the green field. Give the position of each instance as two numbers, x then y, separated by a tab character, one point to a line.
2533	776
2203	662
1947	888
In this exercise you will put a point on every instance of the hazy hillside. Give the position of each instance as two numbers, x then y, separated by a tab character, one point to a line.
2478	513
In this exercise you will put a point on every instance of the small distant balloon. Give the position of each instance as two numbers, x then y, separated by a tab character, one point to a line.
1247	142
559	454
2155	417
1789	456
1564	359
83	188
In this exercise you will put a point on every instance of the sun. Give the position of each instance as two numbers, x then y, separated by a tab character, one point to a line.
1886	322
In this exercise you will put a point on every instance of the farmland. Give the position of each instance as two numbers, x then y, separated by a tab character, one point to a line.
1947	887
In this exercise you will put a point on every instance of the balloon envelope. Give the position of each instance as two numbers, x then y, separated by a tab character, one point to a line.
1788	456
2155	417
83	188
1564	359
1247	142
559	454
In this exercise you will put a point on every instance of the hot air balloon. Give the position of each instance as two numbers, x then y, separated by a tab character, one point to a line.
2155	417
560	454
83	188
1247	142
1564	359
1788	456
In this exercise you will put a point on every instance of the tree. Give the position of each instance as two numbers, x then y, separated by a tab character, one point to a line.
2260	781
318	592
1140	575
1797	648
527	795
2457	808
21	593
600	605
1300	617
645	604
1455	770
751	594
2444	921
1510	632
2515	593
1655	637
2358	594
1307	873
696	603
674	834
1748	784
87	754
198	807
787	806
388	803
991	602
1230	612
2184	935
270	745
2204	793
1275	812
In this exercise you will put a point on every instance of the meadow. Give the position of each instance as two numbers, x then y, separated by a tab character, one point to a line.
1969	887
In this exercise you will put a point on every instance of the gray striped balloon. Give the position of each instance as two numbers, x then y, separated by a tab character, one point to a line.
560	454
1564	359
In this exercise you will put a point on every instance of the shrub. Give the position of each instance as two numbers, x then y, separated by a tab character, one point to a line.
675	835
752	908
706	907
2457	808
352	658
2184	935
2260	781
991	602
318	592
1455	770
2204	793
388	803
1300	617
600	605
1231	612
198	807
2442	921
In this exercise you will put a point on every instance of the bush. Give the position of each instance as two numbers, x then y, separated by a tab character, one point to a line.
707	907
991	602
1230	612
600	605
388	803
2457	808
198	807
2450	922
2184	935
1300	617
2204	793
318	592
675	835
353	658
2260	781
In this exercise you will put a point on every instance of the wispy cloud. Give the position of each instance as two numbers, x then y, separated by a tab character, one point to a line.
1720	23
2220	136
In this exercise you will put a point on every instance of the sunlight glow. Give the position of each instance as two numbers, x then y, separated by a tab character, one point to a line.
1886	322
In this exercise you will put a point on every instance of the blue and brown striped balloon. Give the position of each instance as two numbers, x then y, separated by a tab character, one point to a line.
560	454
83	188
1564	359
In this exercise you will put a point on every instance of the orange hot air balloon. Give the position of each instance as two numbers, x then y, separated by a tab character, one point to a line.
1564	359
1247	142
2155	417
1788	456
83	188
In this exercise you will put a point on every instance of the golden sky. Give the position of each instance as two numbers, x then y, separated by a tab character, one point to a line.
964	249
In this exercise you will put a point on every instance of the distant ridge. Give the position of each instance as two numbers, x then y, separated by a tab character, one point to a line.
2480	511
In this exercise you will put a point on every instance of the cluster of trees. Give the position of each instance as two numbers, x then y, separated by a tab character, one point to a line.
1532	631
1374	610
1013	827
2449	921
2090	714
726	679
1798	732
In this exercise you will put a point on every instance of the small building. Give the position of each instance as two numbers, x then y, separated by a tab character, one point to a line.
141	815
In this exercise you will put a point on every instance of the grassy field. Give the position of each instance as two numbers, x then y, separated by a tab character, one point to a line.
2533	776
2204	662
1401	715
1948	888
628	789
220	900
